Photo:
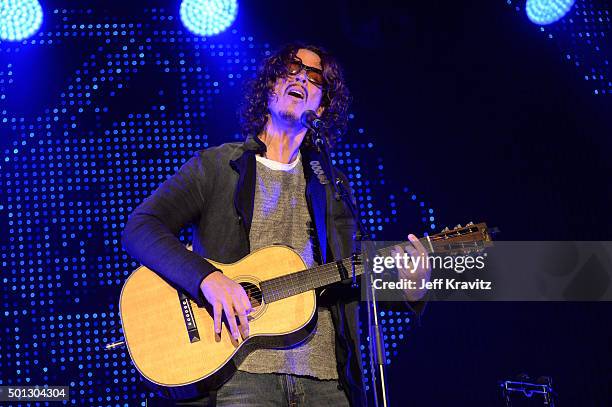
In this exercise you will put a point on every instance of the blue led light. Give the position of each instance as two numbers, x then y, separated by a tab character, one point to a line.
208	17
544	12
19	19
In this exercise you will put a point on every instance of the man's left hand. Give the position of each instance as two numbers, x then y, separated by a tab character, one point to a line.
418	269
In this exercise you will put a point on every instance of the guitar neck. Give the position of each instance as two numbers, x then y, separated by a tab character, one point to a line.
321	276
460	240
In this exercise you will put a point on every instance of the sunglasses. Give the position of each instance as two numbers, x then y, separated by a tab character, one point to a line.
314	75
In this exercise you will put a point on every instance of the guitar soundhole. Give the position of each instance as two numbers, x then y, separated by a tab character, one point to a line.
254	294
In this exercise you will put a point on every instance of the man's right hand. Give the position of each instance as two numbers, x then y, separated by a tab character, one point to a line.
226	295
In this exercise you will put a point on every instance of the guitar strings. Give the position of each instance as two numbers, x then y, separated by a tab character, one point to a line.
280	287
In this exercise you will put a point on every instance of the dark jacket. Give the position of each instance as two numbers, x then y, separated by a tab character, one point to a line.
215	191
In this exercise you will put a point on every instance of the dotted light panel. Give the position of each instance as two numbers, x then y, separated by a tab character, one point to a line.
19	19
395	327
122	102
582	37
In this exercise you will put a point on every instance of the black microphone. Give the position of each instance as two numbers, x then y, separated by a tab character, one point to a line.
310	120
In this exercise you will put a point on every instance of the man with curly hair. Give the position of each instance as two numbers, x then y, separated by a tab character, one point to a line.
244	196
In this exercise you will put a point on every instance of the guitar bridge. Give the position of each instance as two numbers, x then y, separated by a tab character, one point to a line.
190	324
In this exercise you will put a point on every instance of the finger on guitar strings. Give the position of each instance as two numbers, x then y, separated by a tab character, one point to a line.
243	320
416	243
217	316
230	317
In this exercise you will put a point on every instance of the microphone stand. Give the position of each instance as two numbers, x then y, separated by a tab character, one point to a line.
375	343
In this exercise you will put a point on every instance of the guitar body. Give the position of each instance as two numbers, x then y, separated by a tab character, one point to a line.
172	341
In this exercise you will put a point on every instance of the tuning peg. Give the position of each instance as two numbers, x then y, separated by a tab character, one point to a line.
458	226
470	224
446	229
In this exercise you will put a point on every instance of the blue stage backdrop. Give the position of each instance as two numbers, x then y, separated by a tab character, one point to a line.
97	110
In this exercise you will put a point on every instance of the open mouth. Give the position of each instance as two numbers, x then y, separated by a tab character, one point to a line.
296	93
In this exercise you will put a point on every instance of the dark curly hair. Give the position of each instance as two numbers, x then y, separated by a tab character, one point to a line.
336	97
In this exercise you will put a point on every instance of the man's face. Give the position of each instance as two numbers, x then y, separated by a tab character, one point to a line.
294	94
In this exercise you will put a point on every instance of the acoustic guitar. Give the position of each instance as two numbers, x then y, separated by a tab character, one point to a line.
172	341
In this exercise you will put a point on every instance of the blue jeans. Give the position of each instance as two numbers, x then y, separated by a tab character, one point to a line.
250	390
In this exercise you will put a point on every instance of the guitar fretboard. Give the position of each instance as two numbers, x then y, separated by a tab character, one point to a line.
320	276
459	240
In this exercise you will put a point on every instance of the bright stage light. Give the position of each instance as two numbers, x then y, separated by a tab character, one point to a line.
19	19
208	17
544	12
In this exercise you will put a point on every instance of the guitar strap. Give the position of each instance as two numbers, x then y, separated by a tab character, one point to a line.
314	240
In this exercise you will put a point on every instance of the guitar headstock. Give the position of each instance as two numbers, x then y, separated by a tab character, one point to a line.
471	238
